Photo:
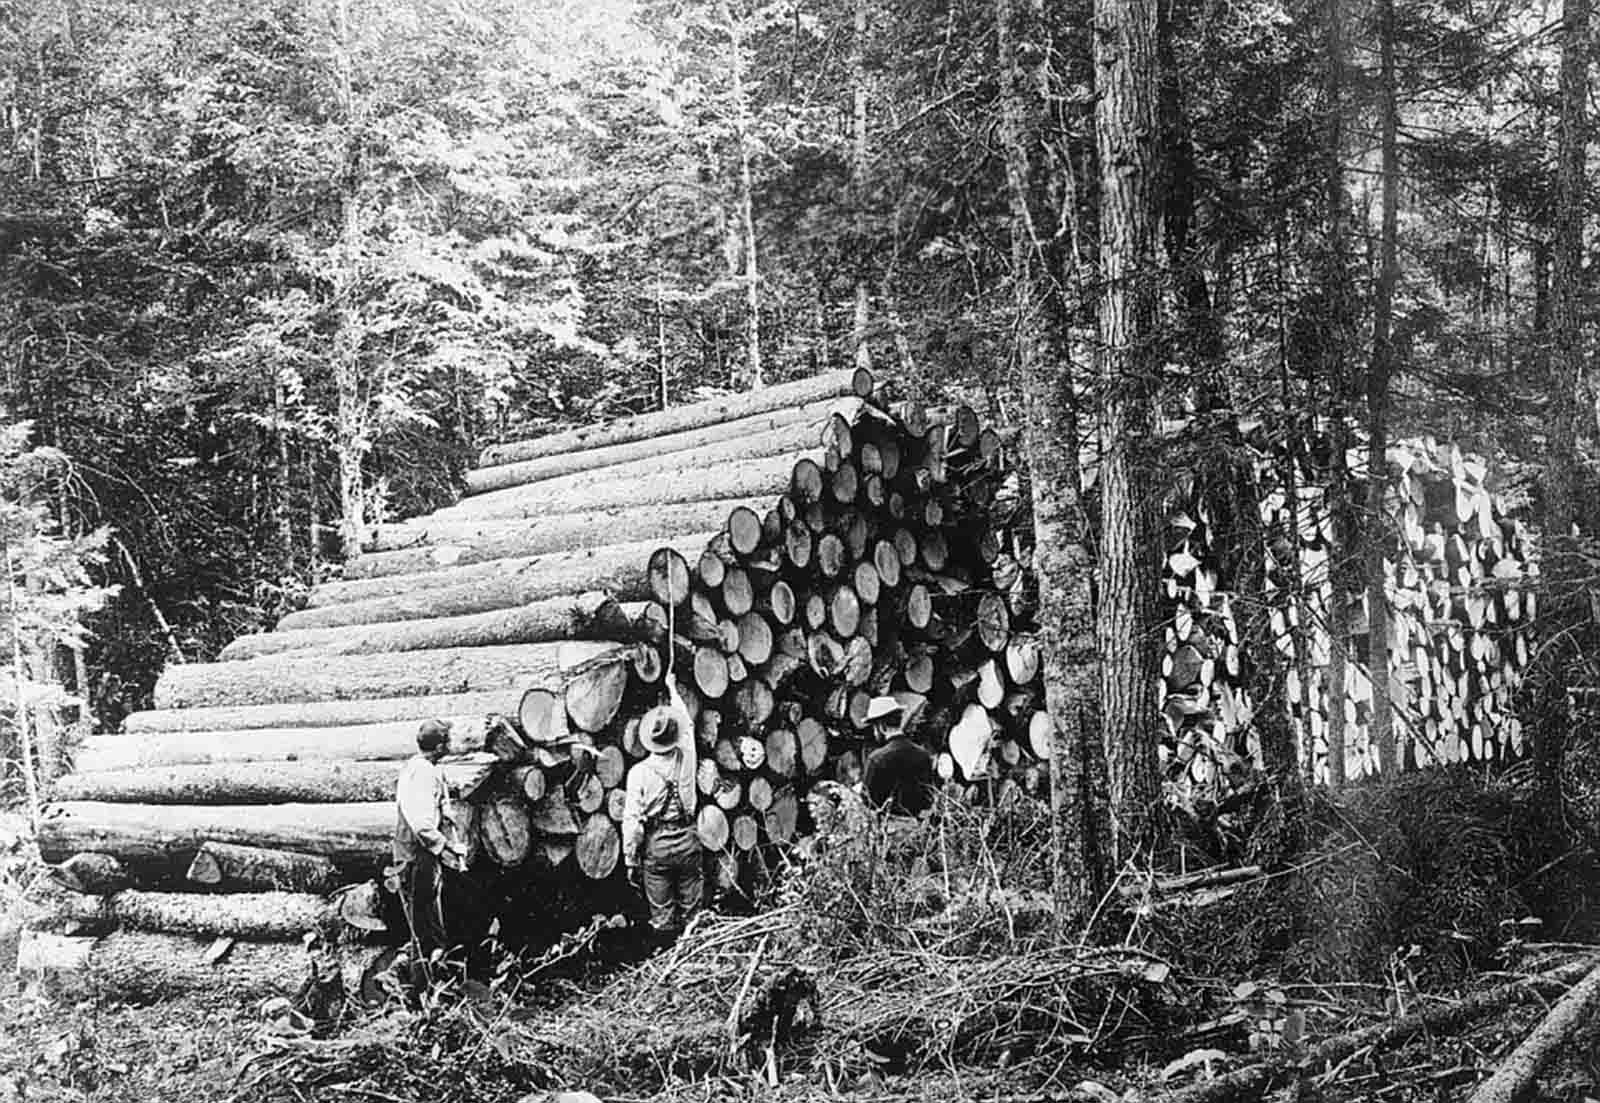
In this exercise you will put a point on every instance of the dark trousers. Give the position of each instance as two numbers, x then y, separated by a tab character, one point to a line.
422	895
674	875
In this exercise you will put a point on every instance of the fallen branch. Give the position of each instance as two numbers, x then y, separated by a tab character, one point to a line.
1514	1077
1253	1080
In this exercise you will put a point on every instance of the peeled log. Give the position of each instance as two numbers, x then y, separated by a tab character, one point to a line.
752	478
432	544
589	616
358	742
287	679
262	916
245	868
347	834
618	570
663	448
681	418
315	782
323	714
797	436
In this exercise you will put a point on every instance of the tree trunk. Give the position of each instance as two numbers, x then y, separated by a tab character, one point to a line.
288	679
351	835
747	219
431	544
1127	83
619	570
1566	286
350	443
1377	540
319	781
590	616
254	869
755	432
858	185
258	916
322	714
698	415
1335	343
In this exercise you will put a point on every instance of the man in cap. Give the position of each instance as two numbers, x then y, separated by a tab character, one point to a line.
899	776
424	843
659	843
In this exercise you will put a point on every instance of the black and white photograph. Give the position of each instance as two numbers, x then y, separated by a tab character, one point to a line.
799	551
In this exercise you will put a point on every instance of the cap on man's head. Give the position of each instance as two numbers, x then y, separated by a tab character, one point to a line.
432	735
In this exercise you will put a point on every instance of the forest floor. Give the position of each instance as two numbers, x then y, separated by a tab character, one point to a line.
938	975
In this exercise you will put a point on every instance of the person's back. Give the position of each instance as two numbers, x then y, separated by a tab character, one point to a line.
900	777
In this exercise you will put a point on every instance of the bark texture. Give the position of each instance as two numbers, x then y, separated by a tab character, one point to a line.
260	916
256	869
1126	129
321	714
680	418
314	782
589	616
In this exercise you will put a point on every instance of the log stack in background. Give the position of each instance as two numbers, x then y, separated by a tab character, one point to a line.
1461	614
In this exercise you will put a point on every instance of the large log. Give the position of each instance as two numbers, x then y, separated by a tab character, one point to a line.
681	418
768	434
262	916
323	714
253	868
286	679
563	565
356	742
619	570
145	966
351	835
434	543
590	616
751	478
314	782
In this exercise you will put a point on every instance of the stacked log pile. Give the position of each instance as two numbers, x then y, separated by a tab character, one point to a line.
785	555
1460	623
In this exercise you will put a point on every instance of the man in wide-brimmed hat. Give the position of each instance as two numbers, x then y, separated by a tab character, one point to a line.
899	776
659	843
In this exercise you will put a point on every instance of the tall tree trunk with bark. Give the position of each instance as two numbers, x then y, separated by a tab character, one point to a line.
1561	488
1379	372
1062	559
1336	295
1127	135
858	184
754	377
350	443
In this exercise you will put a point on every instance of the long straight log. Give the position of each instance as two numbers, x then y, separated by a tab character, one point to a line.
154	750
351	835
433	543
682	418
261	916
323	714
313	782
145	966
769	434
619	570
257	869
1516	1074
285	679
590	616
752	478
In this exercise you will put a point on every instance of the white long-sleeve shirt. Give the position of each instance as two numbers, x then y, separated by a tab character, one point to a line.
422	799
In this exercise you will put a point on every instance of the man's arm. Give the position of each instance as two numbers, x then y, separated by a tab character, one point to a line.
416	796
633	819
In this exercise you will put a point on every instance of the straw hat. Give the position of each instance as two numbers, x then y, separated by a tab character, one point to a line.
658	731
